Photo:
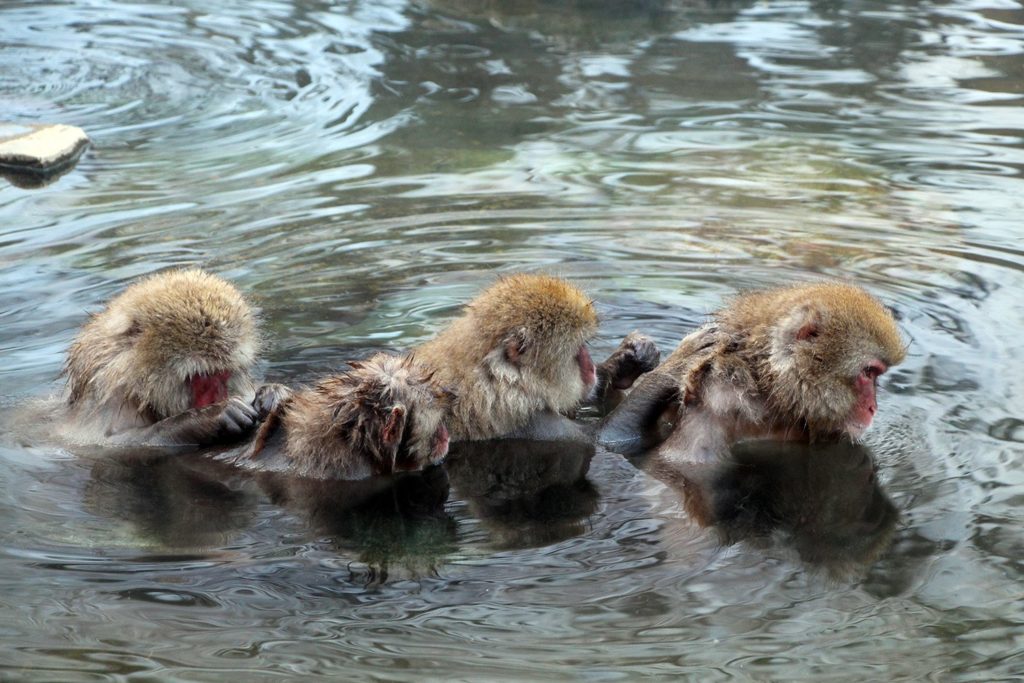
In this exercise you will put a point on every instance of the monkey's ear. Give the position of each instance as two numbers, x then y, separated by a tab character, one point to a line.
803	324
394	426
128	327
515	347
808	331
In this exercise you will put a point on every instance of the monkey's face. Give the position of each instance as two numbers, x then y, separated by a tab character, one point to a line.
411	409
587	371
425	440
185	340
865	403
557	373
828	368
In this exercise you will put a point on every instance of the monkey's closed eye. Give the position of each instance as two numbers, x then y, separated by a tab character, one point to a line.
874	370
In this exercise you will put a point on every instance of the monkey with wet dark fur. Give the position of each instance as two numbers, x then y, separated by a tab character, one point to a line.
383	416
518	363
796	363
167	362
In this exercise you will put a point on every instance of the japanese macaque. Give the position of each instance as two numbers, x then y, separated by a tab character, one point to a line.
795	363
518	363
822	501
383	416
167	362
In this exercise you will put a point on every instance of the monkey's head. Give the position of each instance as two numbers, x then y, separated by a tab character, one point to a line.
829	346
386	410
532	331
173	341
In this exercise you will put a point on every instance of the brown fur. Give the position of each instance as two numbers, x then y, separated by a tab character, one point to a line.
512	354
129	365
336	428
755	368
790	363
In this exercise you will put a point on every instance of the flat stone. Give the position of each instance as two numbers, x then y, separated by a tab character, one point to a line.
40	149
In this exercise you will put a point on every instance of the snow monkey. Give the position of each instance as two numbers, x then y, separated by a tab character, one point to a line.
383	416
518	363
794	363
167	362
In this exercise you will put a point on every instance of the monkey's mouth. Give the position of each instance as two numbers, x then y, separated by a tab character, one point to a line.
588	373
209	389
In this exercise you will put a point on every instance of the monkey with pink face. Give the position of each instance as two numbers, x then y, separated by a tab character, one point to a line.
168	362
518	364
795	363
383	416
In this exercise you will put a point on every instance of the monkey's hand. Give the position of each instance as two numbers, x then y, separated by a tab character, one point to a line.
218	423
636	355
234	419
269	397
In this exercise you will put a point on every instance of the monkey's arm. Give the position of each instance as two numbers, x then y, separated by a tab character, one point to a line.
636	355
218	423
633	426
551	426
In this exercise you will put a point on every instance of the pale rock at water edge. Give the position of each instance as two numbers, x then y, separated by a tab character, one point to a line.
40	149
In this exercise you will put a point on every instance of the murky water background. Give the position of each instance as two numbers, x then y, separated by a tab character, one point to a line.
362	168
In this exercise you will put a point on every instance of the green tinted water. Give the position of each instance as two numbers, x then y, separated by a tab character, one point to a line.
364	168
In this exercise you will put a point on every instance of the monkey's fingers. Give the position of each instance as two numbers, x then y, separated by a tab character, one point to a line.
268	398
236	418
636	355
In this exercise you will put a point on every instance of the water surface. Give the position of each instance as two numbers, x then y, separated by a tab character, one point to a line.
363	168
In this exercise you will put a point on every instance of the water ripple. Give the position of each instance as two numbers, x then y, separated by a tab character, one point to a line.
363	169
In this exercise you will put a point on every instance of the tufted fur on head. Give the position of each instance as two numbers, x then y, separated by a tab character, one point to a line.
138	355
383	416
513	353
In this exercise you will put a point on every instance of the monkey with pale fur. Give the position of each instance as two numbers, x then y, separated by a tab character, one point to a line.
167	362
796	363
518	363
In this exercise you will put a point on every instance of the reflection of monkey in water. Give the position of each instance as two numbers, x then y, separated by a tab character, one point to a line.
526	493
823	501
390	522
171	499
187	500
517	360
381	417
167	362
796	363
